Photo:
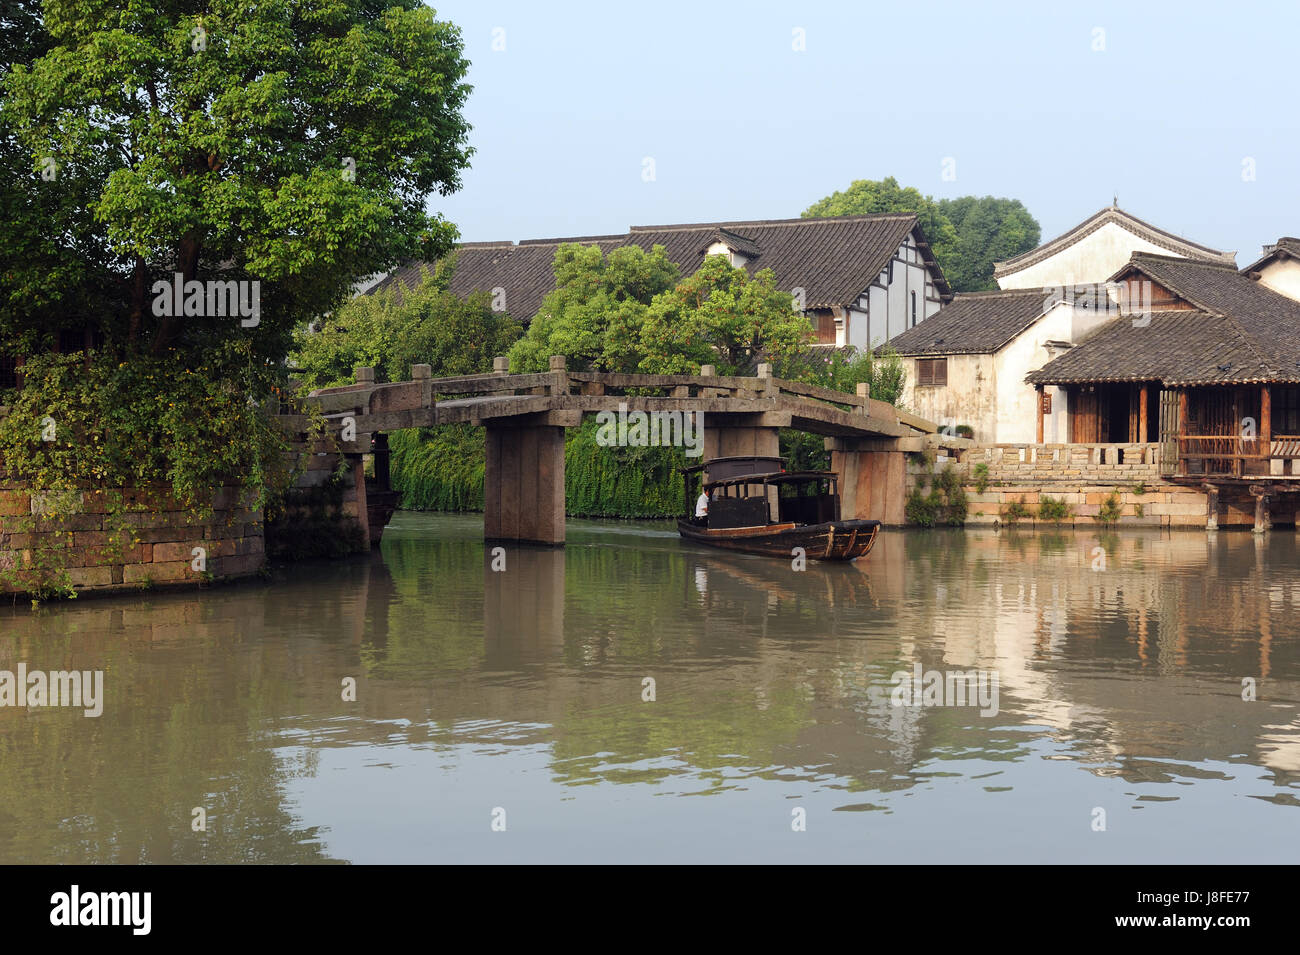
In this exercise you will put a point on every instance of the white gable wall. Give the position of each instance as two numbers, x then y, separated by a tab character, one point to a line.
1282	276
885	309
1094	258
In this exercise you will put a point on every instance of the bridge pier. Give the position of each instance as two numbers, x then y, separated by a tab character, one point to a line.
523	483
873	478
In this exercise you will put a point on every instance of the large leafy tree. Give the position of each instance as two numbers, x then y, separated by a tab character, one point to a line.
967	235
869	197
989	230
55	263
293	142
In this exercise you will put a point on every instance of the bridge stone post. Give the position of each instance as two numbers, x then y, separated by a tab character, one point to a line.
873	478
523	482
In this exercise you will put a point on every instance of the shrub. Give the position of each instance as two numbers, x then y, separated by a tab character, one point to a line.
945	502
981	477
1139	489
965	431
1017	510
1053	509
1110	509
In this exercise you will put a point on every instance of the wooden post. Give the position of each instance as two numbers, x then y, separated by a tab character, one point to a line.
1182	428
1038	396
1265	425
1143	404
1261	514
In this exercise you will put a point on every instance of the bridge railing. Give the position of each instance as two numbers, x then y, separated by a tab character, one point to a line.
365	397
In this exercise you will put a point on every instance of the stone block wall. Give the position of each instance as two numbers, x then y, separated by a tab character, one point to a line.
151	542
1084	477
1079	463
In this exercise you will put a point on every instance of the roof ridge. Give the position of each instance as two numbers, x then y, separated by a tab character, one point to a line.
1086	228
991	293
1182	260
801	220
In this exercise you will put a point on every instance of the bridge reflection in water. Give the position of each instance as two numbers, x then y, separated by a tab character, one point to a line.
524	688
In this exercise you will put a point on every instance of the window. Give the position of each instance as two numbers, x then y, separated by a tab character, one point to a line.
1286	410
932	371
914	310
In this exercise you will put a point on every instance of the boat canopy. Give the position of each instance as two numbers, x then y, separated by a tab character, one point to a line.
775	478
720	469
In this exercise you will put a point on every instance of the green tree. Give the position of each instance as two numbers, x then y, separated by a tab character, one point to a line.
292	142
55	264
428	325
722	316
595	314
967	234
628	312
869	197
989	230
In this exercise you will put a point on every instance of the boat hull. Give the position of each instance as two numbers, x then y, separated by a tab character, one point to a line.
834	540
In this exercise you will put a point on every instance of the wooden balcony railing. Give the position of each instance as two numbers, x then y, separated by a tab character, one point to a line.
1228	455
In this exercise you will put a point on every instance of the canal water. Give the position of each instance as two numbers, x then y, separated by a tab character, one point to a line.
634	699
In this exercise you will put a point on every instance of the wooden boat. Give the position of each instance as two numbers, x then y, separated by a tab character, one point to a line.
745	491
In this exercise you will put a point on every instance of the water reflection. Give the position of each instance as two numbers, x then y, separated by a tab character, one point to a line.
1121	661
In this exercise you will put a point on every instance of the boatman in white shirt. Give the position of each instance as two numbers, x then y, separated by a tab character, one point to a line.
702	507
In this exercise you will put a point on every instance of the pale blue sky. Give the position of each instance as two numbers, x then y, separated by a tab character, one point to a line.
741	126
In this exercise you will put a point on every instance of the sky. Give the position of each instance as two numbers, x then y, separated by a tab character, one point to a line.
592	117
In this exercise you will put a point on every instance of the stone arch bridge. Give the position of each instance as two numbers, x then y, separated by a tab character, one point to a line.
525	417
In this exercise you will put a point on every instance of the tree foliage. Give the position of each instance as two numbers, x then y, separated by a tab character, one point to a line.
967	235
427	325
989	230
628	312
596	313
292	143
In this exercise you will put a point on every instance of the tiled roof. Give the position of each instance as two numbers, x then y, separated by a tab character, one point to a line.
1236	332
975	323
1158	237
1285	247
734	241
833	260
